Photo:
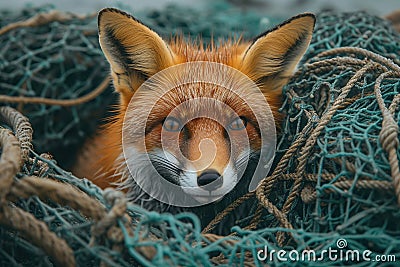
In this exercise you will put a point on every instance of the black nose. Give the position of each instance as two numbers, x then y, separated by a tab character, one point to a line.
208	180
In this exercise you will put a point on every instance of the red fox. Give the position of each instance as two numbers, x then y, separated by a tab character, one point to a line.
136	53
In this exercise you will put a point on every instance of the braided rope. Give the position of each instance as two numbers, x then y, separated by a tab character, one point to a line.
389	134
11	161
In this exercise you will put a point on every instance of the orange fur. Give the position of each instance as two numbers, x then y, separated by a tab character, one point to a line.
135	53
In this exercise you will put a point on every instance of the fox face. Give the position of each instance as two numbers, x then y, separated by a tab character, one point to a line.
199	136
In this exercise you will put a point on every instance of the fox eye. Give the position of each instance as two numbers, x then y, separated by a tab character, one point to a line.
172	124
238	124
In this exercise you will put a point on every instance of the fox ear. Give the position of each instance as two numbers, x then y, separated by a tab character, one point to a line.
134	51
273	56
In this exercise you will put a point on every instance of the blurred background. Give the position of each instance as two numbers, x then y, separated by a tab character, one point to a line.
276	8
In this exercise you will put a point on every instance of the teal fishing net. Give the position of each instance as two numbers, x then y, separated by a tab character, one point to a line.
334	185
58	60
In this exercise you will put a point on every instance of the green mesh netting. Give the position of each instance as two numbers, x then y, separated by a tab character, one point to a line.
59	60
334	176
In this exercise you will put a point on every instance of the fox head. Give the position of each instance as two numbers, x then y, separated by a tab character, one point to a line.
200	146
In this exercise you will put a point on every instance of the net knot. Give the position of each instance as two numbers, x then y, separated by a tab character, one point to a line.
308	194
119	204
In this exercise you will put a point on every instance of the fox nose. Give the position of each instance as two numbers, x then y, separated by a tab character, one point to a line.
208	180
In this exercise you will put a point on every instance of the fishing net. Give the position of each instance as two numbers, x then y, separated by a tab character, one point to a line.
55	61
335	178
